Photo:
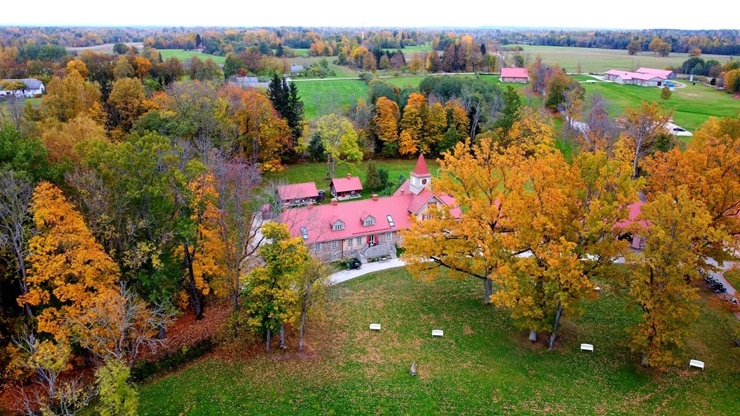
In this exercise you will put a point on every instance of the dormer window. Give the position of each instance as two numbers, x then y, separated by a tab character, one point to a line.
337	226
368	221
390	220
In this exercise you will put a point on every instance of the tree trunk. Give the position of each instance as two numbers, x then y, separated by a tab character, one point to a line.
235	295
488	283
24	287
282	337
194	293
162	332
302	331
267	344
558	315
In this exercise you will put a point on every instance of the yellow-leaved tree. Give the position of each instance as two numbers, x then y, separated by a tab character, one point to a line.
678	227
562	219
270	298
475	174
202	247
69	271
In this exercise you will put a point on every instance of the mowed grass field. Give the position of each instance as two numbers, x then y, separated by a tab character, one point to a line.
326	96
184	55
601	60
482	366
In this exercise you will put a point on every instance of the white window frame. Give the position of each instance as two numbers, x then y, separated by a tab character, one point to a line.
359	241
350	241
388	236
317	247
334	244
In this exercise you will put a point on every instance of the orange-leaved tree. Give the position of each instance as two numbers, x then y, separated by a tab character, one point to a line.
385	122
202	247
562	219
710	169
69	270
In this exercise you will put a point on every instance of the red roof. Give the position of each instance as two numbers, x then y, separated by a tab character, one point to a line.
514	73
297	191
347	184
318	219
421	166
662	73
635	211
626	75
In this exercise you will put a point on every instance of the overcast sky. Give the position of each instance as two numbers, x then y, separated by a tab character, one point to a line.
374	13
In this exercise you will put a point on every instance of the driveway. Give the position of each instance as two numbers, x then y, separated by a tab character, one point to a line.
344	275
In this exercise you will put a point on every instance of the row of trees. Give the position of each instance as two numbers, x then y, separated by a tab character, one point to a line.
543	231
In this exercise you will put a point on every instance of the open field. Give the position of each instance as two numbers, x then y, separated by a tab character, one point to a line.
341	71
482	366
105	48
601	60
326	96
184	55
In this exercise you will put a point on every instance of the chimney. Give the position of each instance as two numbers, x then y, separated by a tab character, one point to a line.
334	201
375	197
349	176
402	192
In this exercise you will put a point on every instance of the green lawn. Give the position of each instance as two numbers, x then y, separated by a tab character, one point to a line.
326	96
184	55
691	106
482	366
733	277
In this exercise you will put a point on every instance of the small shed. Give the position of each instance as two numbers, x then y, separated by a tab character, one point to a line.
346	188
298	194
520	75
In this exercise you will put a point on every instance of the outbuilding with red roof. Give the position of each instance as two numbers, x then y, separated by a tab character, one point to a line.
514	75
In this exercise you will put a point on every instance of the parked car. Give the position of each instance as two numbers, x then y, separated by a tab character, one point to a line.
353	263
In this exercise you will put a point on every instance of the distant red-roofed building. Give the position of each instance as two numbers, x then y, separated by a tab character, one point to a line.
346	188
663	73
298	194
645	77
367	228
515	75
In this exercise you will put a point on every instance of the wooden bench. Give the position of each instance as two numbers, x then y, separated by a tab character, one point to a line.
375	327
696	363
437	333
587	347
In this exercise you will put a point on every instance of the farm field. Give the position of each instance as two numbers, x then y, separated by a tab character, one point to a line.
104	48
341	71
601	60
482	366
184	55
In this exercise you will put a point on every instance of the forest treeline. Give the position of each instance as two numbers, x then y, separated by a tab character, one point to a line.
221	41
